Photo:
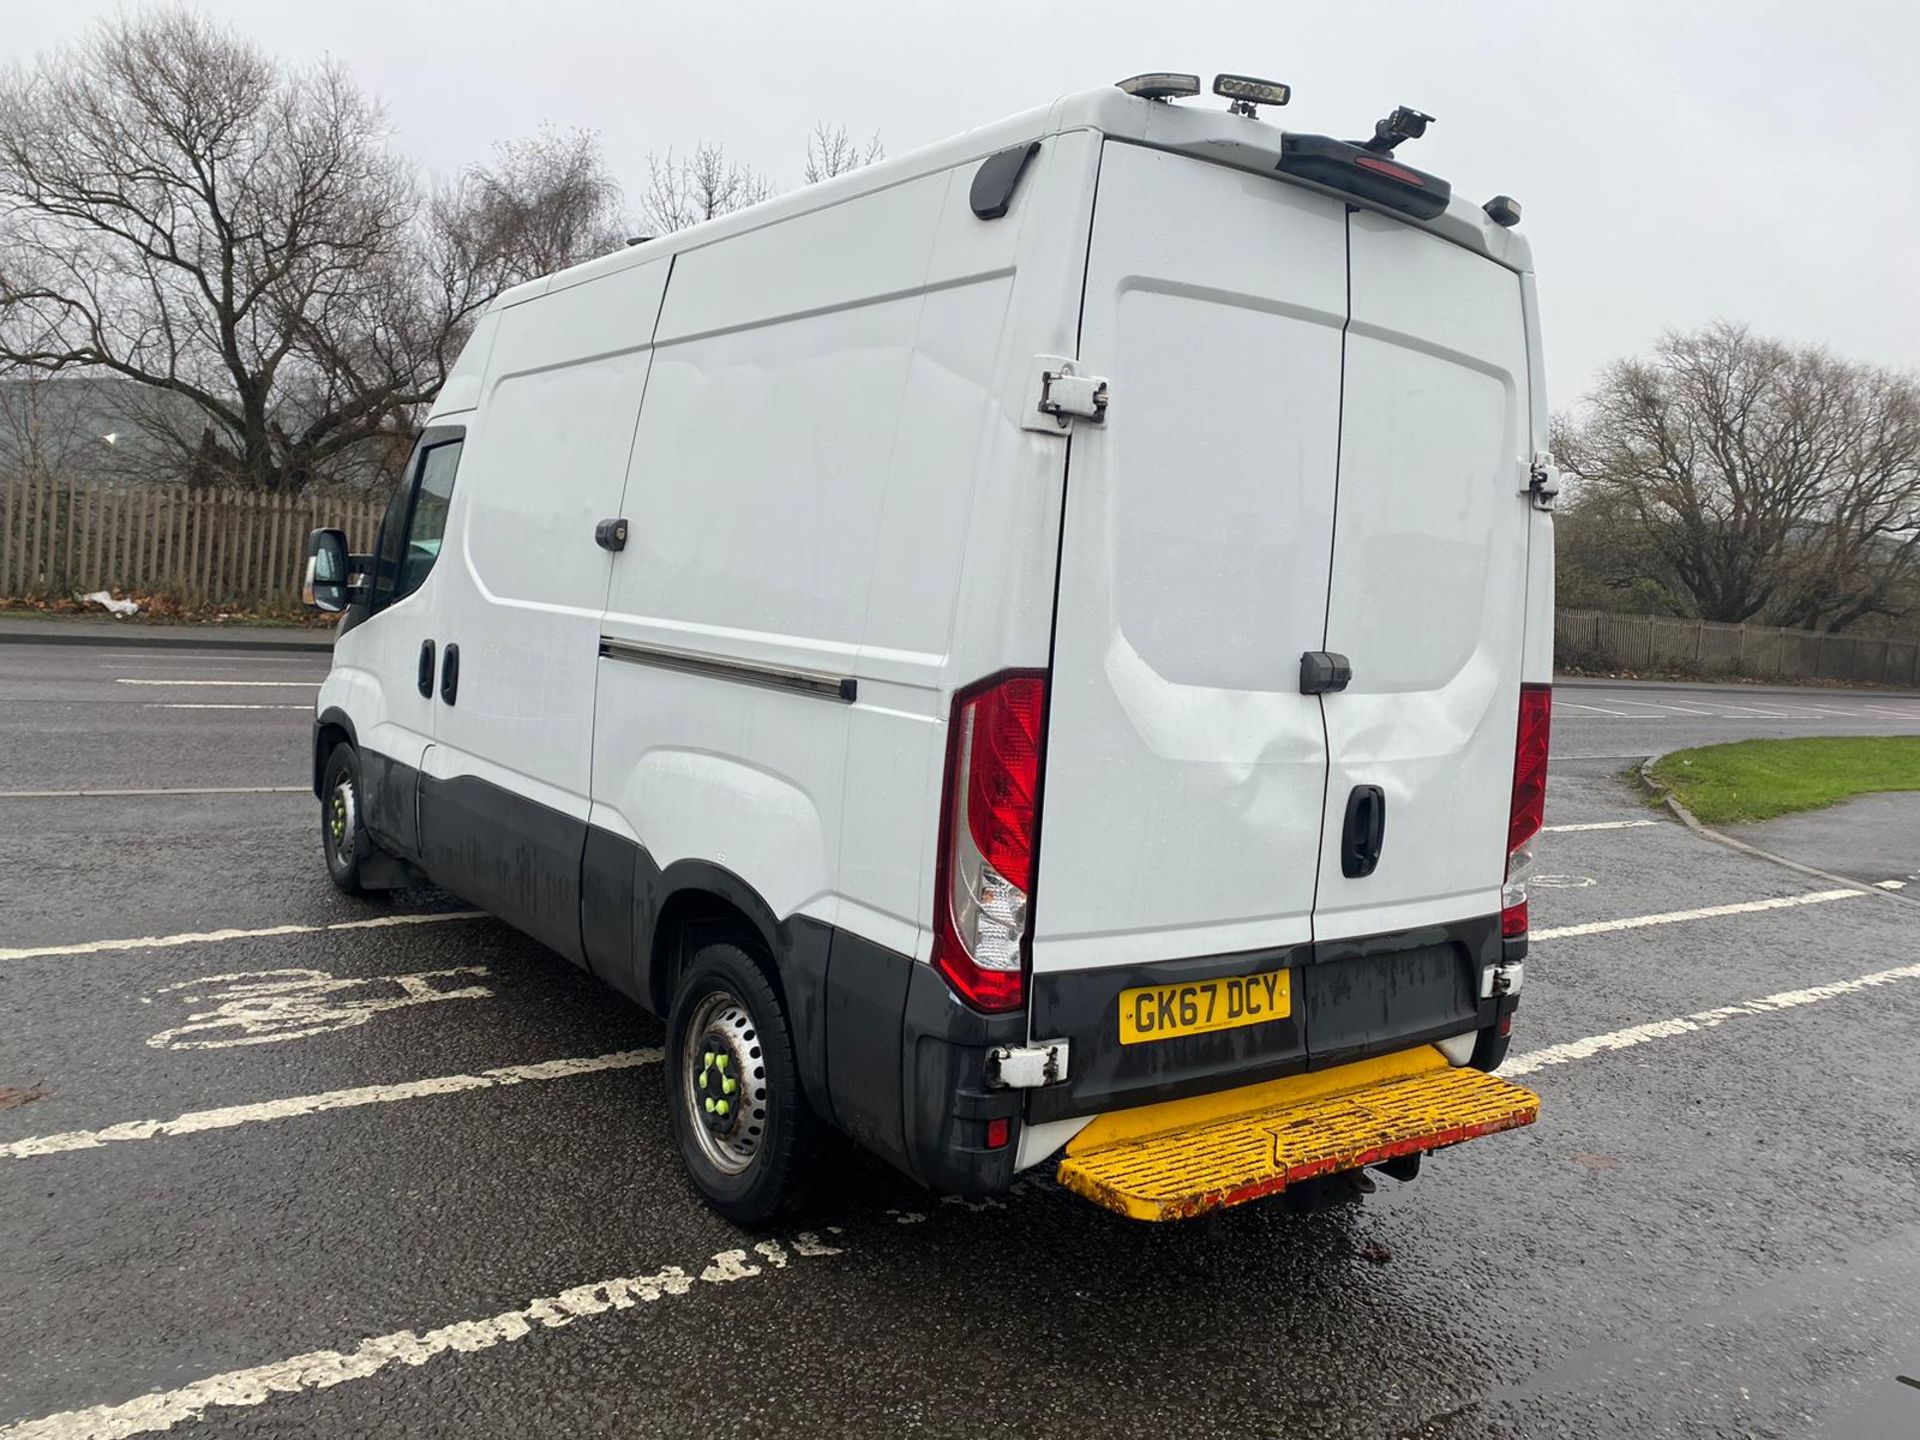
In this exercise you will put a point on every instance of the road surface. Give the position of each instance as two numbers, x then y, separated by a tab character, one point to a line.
414	1178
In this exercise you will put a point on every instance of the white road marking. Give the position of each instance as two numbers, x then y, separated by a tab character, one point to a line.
264	1007
209	937
1596	825
1891	884
230	684
189	705
1562	882
1565	705
323	1369
1674	917
167	790
1633	1035
228	1117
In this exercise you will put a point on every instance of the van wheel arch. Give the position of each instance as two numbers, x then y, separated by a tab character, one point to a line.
330	731
701	903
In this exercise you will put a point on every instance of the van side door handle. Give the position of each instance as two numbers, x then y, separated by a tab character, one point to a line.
450	674
1365	831
611	535
425	680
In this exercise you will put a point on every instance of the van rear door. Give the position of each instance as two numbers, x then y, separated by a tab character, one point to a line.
1185	771
1427	602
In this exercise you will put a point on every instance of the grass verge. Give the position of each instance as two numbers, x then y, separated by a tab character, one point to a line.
1759	779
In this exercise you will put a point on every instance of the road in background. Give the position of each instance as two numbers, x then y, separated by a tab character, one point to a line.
1615	721
382	1206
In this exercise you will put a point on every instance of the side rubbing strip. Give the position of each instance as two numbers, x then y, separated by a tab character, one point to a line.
809	682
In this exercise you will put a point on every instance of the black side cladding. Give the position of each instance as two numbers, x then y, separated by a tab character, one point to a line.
1356	171
997	178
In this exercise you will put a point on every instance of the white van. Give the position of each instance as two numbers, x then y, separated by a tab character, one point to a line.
1035	651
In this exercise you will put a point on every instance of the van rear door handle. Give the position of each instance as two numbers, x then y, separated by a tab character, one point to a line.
1365	831
611	535
425	680
1322	672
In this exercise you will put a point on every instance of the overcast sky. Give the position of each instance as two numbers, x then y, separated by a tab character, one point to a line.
1677	160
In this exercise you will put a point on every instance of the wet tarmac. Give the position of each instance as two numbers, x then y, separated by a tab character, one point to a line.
386	1213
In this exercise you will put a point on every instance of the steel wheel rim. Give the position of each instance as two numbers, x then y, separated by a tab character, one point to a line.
729	1139
342	819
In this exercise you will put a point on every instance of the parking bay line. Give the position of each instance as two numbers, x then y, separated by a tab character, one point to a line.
228	1117
1709	912
1596	825
323	1369
191	705
164	790
1633	1035
209	937
230	684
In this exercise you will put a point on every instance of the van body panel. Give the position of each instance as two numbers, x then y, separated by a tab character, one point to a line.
1185	771
817	417
1429	586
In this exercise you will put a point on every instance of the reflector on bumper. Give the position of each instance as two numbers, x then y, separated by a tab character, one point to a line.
1271	1141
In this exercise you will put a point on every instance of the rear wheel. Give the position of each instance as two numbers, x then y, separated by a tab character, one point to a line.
744	1129
343	836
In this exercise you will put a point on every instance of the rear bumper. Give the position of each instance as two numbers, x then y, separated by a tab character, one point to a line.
905	1061
1351	1000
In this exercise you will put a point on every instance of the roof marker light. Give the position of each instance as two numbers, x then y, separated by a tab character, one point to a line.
1246	92
1160	85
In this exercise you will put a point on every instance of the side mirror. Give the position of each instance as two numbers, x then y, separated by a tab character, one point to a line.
326	587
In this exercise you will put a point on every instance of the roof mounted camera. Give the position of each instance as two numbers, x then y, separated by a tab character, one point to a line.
1161	85
1245	93
1405	123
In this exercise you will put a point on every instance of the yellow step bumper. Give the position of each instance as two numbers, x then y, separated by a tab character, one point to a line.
1169	1162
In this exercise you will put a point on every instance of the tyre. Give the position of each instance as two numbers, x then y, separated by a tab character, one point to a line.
343	835
745	1131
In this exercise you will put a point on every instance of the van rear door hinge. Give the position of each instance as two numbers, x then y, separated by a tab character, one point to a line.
1543	480
1059	393
1027	1067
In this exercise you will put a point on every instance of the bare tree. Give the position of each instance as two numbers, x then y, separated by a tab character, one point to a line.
698	187
1773	482
546	202
830	152
180	210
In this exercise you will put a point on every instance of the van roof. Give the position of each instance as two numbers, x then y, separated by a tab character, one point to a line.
1206	133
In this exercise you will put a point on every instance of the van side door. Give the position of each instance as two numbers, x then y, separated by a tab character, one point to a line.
504	801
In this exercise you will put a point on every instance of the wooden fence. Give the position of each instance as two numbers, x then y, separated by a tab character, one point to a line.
1594	640
240	548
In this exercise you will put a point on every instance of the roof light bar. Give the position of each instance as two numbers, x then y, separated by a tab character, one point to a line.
1246	92
1160	85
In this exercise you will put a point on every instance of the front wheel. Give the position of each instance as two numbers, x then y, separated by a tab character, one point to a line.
745	1132
343	835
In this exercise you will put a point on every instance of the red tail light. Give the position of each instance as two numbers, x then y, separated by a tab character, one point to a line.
983	886
1528	808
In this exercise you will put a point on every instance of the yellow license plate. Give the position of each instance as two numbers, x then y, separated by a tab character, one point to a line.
1162	1012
